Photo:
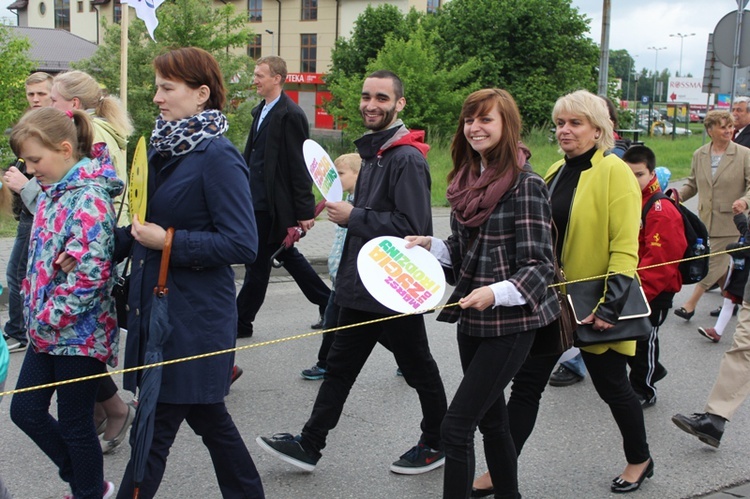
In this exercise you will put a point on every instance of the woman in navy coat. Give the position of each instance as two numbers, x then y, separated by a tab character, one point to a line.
198	184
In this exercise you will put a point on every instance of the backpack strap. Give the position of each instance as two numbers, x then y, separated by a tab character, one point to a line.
659	195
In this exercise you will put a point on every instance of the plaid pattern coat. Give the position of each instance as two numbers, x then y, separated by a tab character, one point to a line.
514	244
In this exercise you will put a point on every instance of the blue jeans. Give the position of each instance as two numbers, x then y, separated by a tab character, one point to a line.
15	274
69	441
576	365
488	364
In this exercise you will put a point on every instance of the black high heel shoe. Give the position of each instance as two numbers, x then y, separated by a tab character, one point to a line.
681	312
482	492
620	486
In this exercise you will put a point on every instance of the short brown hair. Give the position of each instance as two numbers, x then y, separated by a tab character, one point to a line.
195	67
39	77
276	64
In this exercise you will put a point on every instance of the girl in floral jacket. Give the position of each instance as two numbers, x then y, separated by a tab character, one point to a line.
70	317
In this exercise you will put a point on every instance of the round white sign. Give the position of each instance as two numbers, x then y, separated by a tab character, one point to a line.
404	280
322	171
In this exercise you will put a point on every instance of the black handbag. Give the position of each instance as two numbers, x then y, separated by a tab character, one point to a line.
633	323
120	293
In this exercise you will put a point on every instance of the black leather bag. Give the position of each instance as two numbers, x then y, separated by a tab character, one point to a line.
633	323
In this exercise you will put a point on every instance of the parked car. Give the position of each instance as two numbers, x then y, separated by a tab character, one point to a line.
695	118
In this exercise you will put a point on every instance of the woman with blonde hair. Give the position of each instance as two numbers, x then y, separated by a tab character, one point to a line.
112	125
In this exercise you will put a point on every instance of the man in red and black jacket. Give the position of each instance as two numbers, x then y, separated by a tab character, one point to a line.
661	239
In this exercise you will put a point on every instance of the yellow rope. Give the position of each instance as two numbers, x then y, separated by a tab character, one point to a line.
314	333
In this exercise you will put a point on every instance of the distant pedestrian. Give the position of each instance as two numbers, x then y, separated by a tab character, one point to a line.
660	240
347	167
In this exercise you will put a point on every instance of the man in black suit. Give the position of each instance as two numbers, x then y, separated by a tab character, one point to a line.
741	115
282	192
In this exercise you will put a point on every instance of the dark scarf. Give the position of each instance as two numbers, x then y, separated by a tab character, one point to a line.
176	138
472	199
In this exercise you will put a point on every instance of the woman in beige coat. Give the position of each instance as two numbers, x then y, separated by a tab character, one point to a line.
720	175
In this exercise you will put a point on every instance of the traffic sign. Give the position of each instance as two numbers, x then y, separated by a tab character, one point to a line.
644	99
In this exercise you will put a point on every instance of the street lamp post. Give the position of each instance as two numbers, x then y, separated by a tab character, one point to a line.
631	71
682	40
271	33
656	62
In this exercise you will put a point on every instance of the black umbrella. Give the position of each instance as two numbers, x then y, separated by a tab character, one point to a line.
293	234
159	330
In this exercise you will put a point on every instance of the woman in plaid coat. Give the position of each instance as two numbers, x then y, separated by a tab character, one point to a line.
500	258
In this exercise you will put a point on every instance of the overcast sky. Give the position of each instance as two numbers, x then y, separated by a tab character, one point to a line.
639	24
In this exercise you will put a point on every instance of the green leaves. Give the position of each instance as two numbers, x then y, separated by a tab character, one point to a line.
15	66
182	23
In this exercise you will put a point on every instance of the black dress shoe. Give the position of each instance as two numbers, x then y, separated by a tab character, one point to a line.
681	312
482	492
620	486
707	427
716	312
319	324
564	377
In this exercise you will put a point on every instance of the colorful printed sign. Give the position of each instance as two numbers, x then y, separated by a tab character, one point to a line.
404	280
322	171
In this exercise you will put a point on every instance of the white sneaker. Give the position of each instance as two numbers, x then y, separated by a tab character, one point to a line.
109	490
15	345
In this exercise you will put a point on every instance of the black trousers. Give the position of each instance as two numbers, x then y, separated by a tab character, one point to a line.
235	470
406	337
608	373
488	364
253	292
645	368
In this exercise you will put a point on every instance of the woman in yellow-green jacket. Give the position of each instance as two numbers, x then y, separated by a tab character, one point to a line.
596	206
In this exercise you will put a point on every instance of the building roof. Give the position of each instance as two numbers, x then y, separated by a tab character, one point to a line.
18	4
54	49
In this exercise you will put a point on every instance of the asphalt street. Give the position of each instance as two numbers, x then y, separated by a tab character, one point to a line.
574	452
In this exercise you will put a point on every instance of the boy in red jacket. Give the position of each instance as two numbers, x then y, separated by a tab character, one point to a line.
661	239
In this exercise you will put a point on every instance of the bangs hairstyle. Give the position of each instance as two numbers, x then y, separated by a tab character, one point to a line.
52	127
717	117
592	107
504	154
195	67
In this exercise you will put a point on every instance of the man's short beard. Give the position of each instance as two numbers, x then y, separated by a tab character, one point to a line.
388	118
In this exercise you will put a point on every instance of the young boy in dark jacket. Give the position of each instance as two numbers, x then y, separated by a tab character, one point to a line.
661	239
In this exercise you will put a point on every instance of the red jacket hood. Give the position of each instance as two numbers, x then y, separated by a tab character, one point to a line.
405	137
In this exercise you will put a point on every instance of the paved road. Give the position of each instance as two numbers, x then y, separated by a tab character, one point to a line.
574	452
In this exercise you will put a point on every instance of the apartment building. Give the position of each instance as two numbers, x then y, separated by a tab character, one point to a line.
303	32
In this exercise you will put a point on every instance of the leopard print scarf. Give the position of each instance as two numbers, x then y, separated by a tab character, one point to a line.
176	138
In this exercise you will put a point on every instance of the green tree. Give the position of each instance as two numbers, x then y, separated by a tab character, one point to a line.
183	23
15	66
536	49
351	54
434	94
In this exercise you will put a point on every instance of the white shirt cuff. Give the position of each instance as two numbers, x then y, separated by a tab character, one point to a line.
506	295
439	250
